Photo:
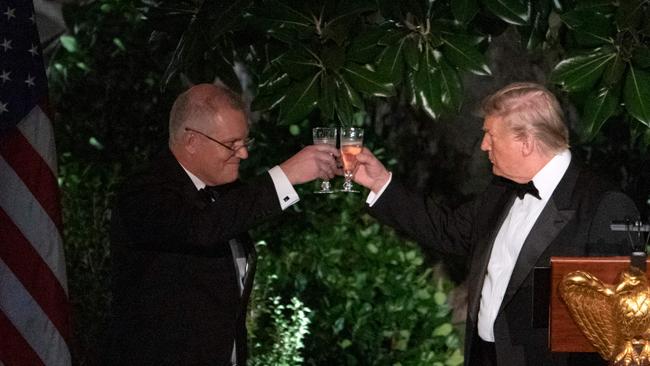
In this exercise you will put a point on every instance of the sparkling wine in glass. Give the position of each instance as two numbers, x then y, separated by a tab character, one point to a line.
326	136
351	145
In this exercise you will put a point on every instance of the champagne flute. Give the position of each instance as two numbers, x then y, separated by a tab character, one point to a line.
351	145
326	136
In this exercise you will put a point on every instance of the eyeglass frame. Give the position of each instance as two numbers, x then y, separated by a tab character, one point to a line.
248	142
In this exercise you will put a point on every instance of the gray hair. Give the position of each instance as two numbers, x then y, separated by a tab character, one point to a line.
530	109
198	105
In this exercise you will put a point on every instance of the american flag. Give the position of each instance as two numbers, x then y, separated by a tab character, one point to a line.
34	308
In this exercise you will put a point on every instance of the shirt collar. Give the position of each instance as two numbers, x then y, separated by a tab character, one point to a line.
550	175
198	183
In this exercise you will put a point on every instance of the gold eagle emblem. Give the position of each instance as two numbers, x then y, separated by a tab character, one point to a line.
614	318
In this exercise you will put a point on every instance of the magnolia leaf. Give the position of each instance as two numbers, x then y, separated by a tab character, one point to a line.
298	63
603	6
613	74
427	85
592	28
464	10
465	55
637	94
630	14
534	34
391	63
515	12
411	89
365	47
176	61
451	86
267	101
641	57
343	106
300	100
368	81
392	36
412	51
338	28
285	15
582	72
599	107
349	93
333	57
327	99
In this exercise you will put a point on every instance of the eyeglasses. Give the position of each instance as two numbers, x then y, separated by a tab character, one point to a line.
247	143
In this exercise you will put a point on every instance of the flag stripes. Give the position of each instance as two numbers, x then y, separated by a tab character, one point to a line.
34	274
14	349
27	162
32	221
32	323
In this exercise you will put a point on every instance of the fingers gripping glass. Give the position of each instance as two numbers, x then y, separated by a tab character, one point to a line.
325	136
247	143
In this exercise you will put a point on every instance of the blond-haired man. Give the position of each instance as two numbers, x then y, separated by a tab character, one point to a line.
541	203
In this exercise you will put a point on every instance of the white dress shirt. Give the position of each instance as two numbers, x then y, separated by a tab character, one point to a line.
511	237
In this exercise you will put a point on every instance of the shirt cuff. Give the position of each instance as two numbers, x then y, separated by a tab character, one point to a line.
284	189
373	197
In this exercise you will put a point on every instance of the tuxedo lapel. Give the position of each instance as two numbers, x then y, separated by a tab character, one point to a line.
553	218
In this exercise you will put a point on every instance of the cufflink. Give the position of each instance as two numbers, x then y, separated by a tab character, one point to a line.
286	198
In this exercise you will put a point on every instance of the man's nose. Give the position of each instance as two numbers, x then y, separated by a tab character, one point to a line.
242	153
485	144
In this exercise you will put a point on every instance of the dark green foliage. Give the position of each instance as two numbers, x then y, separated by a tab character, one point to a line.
105	82
374	300
87	198
609	44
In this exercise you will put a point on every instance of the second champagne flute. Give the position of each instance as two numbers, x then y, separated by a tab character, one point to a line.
351	145
327	136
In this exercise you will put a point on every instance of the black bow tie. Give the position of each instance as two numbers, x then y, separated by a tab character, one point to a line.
209	193
522	188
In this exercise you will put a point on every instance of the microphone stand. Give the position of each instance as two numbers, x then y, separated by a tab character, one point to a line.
639	255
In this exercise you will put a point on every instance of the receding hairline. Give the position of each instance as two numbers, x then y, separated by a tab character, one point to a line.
199	101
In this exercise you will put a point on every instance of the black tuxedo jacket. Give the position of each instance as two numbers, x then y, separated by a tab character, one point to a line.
176	300
575	222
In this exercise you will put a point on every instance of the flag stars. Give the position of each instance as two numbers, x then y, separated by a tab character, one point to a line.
6	44
30	81
3	107
33	50
5	76
10	13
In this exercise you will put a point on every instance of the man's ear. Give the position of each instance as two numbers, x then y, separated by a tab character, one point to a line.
527	145
189	142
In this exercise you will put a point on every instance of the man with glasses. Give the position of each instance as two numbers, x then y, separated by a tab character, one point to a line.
183	263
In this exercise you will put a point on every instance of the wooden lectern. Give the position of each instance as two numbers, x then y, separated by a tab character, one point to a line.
564	334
